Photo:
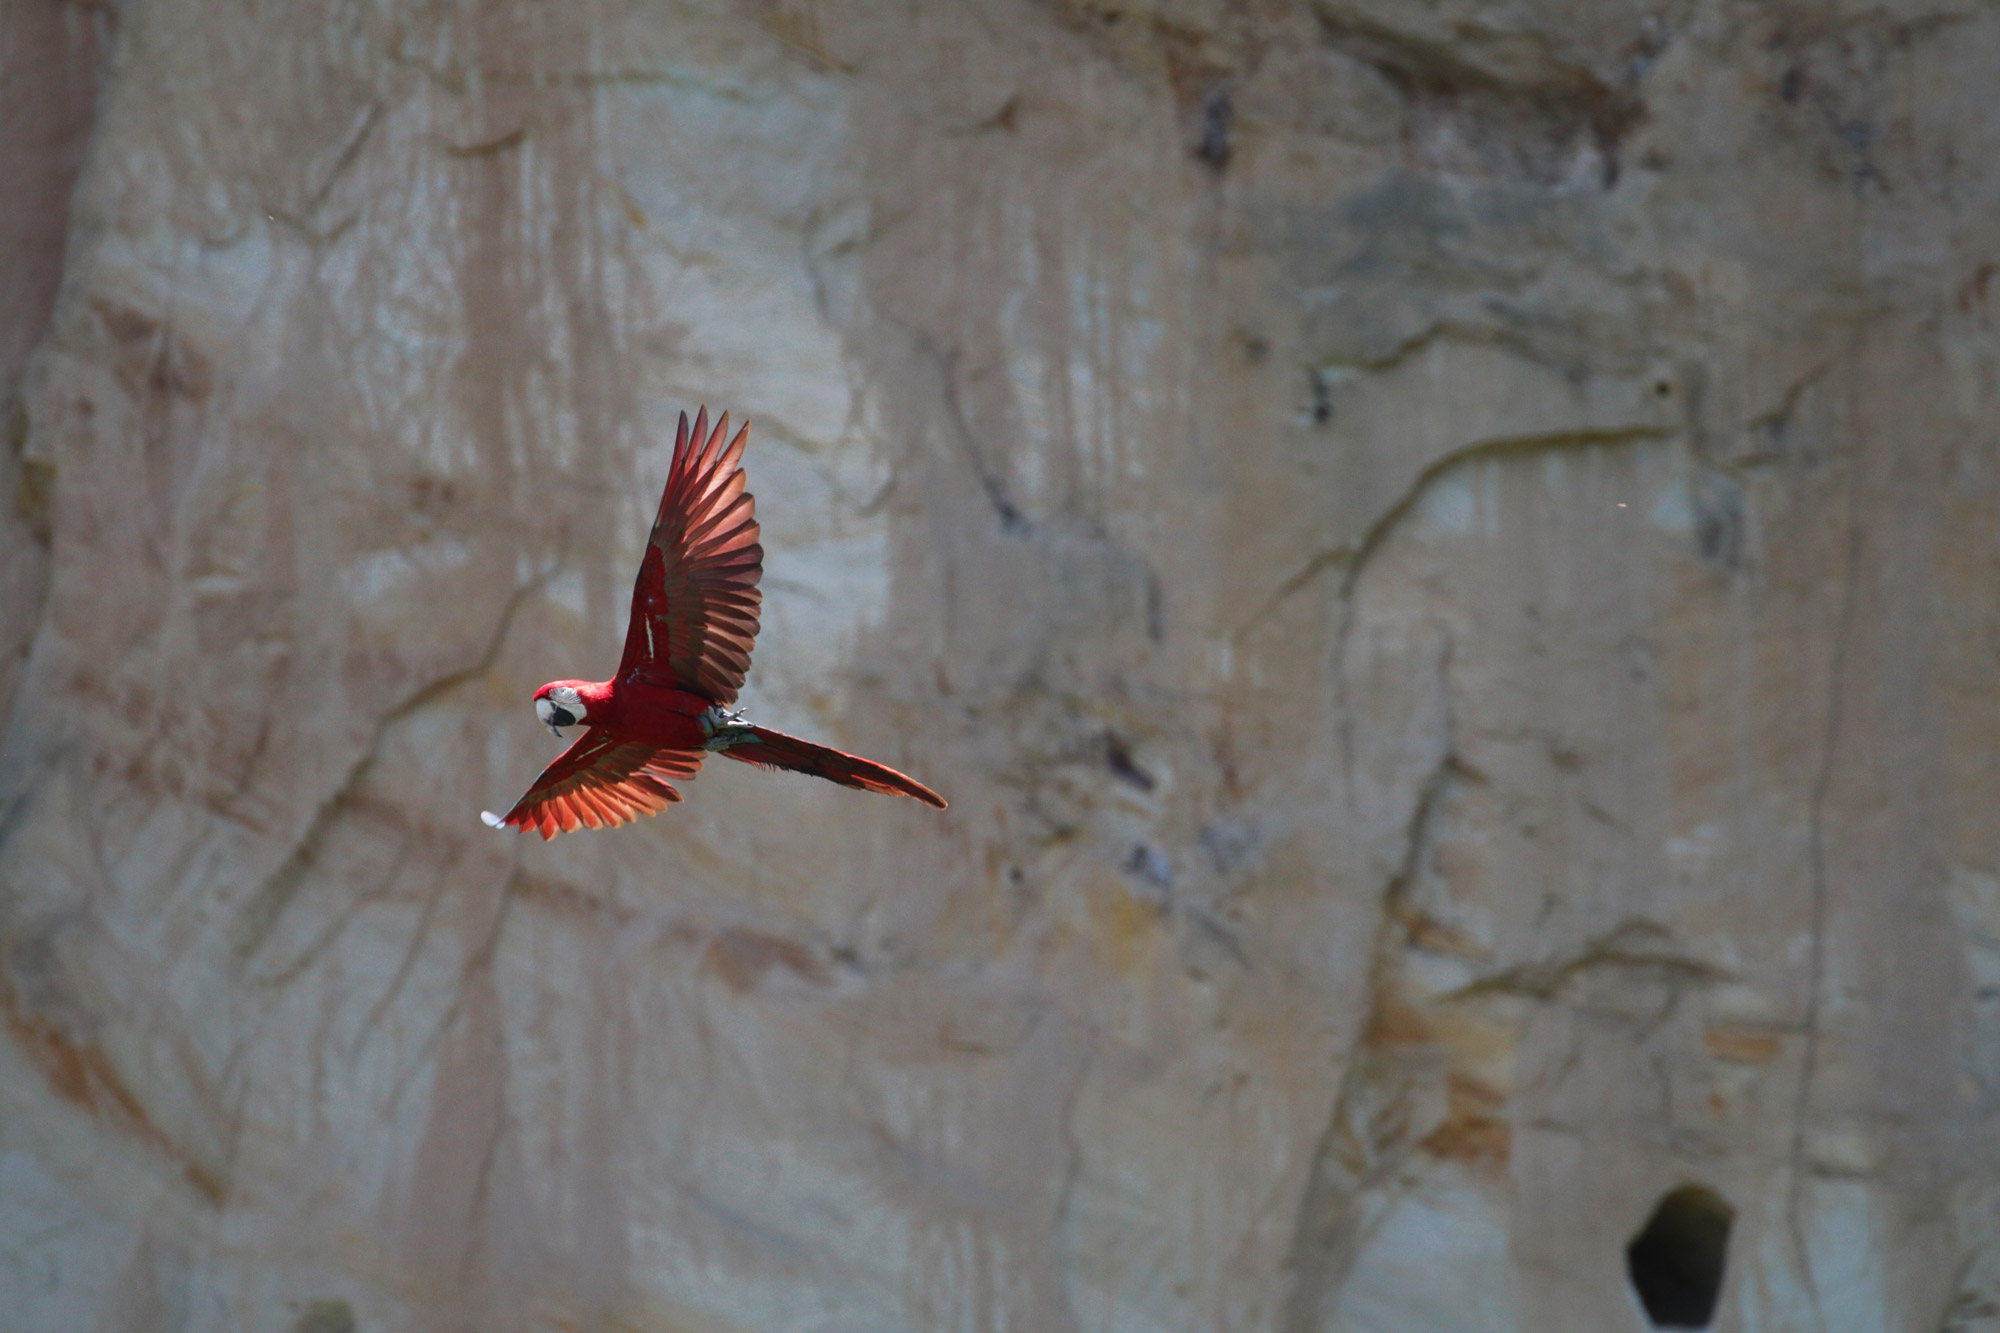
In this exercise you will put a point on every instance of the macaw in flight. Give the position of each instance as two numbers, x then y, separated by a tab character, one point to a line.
694	617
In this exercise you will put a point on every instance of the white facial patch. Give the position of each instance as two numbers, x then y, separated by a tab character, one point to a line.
559	708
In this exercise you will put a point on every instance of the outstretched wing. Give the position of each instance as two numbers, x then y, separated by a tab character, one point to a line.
599	782
695	604
774	749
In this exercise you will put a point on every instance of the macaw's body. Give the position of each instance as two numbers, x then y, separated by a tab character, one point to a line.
687	649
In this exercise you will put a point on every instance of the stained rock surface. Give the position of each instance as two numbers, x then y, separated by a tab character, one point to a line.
1446	554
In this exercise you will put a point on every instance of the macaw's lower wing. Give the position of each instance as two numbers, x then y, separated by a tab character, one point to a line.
774	749
602	781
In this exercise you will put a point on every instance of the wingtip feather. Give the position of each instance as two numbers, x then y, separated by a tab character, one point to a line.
917	791
491	820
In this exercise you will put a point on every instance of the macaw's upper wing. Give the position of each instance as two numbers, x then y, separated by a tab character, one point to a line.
602	781
694	607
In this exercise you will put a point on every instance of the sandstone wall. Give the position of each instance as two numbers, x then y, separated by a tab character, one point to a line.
1446	554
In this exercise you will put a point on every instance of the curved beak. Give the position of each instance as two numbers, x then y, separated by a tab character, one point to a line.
553	715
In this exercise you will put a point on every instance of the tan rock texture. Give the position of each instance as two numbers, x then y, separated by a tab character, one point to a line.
49	58
1446	554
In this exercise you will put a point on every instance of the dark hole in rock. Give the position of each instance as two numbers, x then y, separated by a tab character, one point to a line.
1216	114
1675	1261
1118	758
1322	398
1151	865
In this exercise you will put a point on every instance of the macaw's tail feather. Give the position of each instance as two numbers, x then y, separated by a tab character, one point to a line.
774	749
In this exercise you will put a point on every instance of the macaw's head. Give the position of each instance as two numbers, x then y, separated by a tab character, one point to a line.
559	705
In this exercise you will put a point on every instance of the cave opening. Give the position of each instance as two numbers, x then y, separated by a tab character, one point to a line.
1675	1262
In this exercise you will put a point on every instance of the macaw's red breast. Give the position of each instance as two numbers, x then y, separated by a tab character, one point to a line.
658	714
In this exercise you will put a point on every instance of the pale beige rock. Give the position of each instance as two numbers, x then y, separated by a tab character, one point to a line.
1447	556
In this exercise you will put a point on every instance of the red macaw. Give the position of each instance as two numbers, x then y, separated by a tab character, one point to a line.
694	617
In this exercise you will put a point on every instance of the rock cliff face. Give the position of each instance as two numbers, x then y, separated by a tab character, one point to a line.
1447	555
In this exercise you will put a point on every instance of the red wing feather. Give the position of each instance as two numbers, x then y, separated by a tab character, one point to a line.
599	782
774	749
695	604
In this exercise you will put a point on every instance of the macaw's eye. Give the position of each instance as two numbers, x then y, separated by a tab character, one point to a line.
561	717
